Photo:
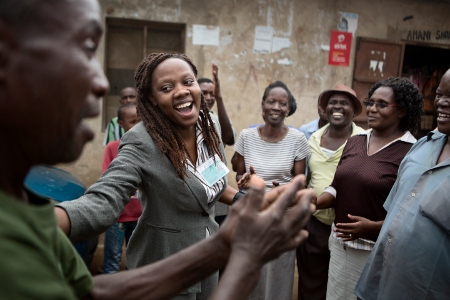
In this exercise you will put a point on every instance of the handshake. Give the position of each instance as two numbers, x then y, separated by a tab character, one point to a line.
260	227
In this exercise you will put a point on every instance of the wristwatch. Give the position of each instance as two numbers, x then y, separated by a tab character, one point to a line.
238	196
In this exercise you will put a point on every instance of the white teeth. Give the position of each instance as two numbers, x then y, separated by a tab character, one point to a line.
183	105
274	116
336	114
444	116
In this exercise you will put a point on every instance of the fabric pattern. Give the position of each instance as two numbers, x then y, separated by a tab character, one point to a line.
272	161
113	131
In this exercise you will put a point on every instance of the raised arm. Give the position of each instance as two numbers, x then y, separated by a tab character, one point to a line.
225	124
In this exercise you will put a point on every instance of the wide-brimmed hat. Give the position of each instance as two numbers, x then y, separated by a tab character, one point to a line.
340	88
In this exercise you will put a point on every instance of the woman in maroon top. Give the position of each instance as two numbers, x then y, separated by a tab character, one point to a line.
364	177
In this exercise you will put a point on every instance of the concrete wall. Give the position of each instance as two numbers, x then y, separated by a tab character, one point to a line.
244	74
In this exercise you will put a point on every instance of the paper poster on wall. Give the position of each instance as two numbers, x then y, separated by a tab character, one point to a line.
340	46
263	39
348	22
279	43
205	35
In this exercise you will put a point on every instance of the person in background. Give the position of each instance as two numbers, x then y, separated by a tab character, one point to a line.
311	127
364	178
50	77
411	258
212	94
341	106
113	130
174	155
123	228
276	153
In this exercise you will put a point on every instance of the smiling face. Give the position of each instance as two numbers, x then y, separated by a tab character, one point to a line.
275	106
208	93
53	82
387	118
340	110
176	92
442	104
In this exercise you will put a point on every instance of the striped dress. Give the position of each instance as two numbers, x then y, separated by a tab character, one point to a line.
273	161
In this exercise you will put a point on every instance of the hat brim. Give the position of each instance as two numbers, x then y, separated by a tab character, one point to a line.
325	96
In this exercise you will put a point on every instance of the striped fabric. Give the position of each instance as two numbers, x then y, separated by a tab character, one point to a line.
202	156
113	131
272	161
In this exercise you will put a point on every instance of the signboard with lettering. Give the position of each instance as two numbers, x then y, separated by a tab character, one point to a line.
340	46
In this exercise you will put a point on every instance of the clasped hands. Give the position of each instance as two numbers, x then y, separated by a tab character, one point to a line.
268	224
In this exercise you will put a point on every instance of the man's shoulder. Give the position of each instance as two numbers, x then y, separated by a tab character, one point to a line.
310	127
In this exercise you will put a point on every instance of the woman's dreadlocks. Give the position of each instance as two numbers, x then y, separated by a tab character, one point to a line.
159	127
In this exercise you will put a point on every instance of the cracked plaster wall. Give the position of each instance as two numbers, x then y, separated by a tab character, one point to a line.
244	74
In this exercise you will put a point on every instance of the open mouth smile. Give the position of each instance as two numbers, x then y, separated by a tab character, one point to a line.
184	108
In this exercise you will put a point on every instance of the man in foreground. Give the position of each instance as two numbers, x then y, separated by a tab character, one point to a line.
50	80
411	258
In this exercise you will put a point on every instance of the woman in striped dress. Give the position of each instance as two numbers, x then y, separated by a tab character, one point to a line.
276	153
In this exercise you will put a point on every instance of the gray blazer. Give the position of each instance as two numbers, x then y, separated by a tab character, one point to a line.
175	214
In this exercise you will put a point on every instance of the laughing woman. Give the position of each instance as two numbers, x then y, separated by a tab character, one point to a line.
163	156
364	177
277	153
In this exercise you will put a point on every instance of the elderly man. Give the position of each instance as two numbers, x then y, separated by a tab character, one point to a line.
340	105
411	258
50	80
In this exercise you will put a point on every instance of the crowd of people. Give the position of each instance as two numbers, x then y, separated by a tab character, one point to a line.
363	213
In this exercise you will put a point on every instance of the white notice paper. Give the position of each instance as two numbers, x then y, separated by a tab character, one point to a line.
205	35
279	43
348	22
263	39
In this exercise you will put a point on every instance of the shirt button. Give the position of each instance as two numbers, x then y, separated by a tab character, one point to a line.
389	240
429	172
413	194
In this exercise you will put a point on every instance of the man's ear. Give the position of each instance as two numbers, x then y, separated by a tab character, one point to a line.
120	122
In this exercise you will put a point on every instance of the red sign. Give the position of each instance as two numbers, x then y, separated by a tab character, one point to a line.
340	45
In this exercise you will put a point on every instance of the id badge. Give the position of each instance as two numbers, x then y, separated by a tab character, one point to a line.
212	171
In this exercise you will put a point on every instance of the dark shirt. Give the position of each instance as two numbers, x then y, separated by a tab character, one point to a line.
363	182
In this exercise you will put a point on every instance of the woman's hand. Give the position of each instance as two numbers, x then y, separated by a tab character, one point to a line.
360	228
244	182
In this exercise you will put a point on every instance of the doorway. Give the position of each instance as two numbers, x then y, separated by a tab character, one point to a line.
422	63
127	43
